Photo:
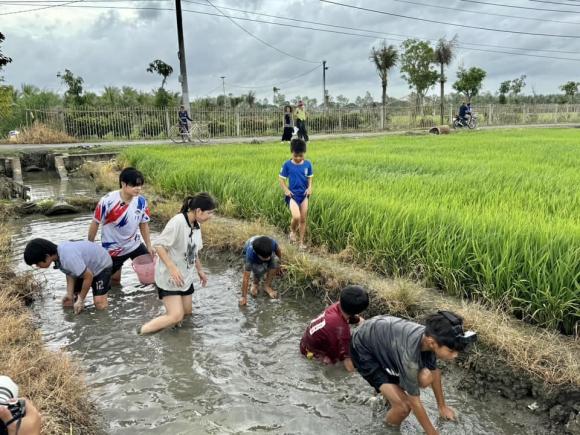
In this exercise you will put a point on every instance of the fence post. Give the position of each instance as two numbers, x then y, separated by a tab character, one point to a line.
490	115
167	125
382	117
340	120
237	123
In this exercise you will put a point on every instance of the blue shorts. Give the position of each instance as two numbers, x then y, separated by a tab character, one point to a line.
298	198
260	269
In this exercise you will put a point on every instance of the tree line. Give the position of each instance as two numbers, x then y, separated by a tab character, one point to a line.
421	65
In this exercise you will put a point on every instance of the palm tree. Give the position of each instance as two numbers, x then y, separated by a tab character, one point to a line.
384	58
251	98
444	54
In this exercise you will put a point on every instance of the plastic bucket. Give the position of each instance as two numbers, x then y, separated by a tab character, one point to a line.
144	267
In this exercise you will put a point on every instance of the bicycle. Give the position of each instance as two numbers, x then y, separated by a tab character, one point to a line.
178	134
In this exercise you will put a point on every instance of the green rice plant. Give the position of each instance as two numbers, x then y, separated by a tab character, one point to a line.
493	216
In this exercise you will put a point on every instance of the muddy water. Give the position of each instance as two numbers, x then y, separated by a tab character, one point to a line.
47	184
226	370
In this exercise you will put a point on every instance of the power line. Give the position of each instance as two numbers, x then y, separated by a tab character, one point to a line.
518	7
469	11
258	38
466	46
554	3
41	8
279	84
489	29
401	1
374	32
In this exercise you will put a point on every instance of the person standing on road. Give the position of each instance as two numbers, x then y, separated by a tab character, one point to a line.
300	115
288	127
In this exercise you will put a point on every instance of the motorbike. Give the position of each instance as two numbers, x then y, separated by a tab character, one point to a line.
470	123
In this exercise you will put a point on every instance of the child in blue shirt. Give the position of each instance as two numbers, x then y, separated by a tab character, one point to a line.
298	172
262	256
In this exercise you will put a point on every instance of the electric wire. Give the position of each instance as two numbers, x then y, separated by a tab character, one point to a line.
518	7
471	27
41	8
258	38
465	46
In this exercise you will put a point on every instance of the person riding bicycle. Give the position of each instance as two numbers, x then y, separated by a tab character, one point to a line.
183	118
464	112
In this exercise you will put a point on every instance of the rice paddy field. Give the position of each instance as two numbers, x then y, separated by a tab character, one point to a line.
493	216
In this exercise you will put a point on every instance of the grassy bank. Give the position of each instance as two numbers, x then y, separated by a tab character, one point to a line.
492	215
547	357
50	379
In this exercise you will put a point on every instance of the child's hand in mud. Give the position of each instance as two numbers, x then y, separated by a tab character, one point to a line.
447	413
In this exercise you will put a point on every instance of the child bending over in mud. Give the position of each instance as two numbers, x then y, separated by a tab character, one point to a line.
262	256
298	172
398	358
85	264
178	247
327	338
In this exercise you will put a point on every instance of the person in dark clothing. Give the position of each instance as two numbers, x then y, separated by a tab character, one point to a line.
464	110
398	357
183	123
288	125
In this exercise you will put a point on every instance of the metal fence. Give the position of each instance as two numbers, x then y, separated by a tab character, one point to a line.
154	123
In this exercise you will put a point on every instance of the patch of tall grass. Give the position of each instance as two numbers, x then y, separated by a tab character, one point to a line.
493	216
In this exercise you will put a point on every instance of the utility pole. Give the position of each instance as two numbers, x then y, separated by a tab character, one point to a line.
324	68
224	89
181	57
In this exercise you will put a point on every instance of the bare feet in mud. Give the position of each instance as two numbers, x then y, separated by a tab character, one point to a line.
254	291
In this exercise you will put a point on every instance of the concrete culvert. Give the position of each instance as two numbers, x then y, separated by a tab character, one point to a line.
441	129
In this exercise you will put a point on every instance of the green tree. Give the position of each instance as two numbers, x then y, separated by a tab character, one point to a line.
279	99
4	60
75	87
469	82
111	96
366	101
417	69
444	54
504	88
385	58
570	90
250	98
161	68
163	98
342	101
517	86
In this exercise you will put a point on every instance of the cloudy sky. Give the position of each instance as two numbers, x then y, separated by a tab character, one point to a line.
112	47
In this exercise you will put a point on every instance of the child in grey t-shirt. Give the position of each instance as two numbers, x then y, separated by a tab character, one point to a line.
85	264
178	248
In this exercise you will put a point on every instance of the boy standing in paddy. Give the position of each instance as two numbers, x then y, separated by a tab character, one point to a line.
298	172
124	217
262	256
398	358
327	338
